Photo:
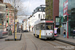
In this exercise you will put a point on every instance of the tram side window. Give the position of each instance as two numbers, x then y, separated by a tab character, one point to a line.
42	27
38	27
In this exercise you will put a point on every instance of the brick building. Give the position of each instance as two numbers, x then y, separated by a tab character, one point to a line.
52	10
10	15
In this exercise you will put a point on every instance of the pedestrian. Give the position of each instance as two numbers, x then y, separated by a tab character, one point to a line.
55	32
19	28
73	33
64	32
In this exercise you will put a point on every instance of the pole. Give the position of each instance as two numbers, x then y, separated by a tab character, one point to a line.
67	22
14	19
67	27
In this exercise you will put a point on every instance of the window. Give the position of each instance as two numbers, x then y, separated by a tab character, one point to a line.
7	13
43	27
49	26
39	9
43	16
39	15
37	27
57	19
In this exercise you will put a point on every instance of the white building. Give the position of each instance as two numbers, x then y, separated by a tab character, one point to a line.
24	24
39	13
2	17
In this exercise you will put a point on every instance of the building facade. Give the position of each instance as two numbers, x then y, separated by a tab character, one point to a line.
10	16
52	11
24	24
2	15
38	13
67	16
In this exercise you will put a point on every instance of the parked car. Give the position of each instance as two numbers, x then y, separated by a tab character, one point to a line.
25	31
5	33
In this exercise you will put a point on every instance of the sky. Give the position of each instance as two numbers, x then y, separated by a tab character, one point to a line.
27	6
32	4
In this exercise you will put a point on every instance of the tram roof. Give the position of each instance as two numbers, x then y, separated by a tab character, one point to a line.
43	21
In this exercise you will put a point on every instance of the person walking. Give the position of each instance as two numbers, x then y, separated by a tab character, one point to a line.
64	32
55	32
9	29
19	28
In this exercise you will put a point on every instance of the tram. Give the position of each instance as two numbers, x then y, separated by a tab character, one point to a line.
44	29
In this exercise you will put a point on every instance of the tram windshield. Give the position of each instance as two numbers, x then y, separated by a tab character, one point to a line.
47	26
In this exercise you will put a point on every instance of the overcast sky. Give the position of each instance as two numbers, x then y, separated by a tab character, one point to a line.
28	6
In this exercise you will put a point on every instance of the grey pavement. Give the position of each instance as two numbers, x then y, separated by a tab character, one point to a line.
11	45
12	36
29	42
33	43
67	40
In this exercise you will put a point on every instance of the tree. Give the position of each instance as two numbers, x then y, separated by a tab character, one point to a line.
19	6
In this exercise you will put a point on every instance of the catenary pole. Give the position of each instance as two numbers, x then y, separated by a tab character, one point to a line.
14	20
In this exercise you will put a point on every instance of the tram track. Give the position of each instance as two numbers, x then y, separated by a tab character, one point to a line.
54	43
63	43
25	44
58	42
32	42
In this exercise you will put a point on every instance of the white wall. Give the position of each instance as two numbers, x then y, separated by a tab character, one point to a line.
35	18
25	25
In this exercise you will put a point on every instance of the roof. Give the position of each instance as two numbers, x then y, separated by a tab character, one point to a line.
8	5
43	21
39	9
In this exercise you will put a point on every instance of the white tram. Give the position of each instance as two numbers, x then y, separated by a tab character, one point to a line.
44	29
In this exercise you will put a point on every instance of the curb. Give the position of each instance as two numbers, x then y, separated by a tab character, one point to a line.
71	43
18	39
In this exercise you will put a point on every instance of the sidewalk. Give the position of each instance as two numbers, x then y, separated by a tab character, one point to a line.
12	36
69	40
12	45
